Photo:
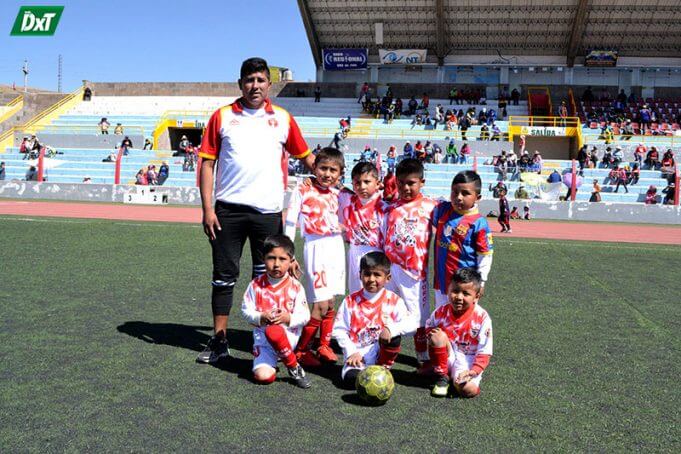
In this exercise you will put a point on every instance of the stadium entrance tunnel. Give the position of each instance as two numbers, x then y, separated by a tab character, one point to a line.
550	147
193	135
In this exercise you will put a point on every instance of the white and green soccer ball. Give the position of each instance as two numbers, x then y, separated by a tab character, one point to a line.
375	385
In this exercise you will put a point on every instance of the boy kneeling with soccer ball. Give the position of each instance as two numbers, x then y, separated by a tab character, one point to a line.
460	337
371	321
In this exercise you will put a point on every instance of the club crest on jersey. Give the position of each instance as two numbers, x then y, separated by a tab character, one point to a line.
273	122
462	229
234	122
475	330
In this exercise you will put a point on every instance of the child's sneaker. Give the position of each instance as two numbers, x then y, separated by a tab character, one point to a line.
509	231
308	359
326	354
299	378
216	349
441	387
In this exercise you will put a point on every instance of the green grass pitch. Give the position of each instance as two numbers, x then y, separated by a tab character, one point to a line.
101	322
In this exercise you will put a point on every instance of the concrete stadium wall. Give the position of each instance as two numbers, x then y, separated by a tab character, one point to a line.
574	211
171	88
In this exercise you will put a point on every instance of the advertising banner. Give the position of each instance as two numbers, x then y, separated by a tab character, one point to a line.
402	56
342	59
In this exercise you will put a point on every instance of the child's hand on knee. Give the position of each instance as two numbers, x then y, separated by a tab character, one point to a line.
355	360
465	376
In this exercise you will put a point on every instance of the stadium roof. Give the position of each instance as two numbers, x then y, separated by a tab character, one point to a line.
635	28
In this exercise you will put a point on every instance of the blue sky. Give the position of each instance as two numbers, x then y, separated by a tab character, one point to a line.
155	41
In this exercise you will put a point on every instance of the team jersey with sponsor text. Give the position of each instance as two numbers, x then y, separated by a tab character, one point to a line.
361	220
470	333
315	210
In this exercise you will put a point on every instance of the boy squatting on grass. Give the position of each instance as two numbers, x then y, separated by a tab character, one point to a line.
315	208
274	303
361	215
371	321
460	337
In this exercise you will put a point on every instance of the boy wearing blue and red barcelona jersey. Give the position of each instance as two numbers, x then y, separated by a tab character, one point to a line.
463	238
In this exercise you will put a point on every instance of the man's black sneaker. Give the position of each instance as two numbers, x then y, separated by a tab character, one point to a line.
217	349
299	377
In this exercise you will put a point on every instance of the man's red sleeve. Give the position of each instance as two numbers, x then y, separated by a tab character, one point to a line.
210	144
480	363
295	144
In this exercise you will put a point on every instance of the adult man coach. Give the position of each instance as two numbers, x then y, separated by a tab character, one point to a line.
246	141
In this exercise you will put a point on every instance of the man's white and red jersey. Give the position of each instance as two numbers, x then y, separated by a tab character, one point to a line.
263	295
250	146
315	209
407	232
469	333
361	219
362	316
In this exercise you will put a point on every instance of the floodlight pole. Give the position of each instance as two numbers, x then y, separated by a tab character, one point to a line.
25	70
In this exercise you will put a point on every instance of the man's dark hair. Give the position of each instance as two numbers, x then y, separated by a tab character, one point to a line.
469	176
374	259
467	276
330	154
254	65
279	240
364	167
409	166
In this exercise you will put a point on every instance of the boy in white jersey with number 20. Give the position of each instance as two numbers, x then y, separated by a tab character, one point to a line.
315	208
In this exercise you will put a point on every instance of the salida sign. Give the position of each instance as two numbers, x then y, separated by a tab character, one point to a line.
37	21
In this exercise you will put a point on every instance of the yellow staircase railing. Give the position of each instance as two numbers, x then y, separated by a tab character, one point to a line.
14	106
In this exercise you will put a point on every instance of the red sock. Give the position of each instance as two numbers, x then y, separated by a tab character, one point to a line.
327	327
308	333
420	341
438	357
276	336
387	355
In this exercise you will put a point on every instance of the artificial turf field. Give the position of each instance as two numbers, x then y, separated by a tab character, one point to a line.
101	322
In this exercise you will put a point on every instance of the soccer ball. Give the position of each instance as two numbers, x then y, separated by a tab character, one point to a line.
375	385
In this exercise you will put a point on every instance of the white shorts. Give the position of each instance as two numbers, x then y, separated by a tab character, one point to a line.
355	254
414	292
370	355
263	353
457	362
324	267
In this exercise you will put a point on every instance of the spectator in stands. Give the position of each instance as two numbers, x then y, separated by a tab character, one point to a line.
152	176
613	175
464	152
526	213
627	130
651	195
453	93
582	159
668	165
464	124
622	179
87	94
148	144
390	113
588	95
425	102
317	93
141	177
163	173
635	174
653	159
23	146
390	186
412	105
362	93
3	171
617	156
515	96
391	159
563	113
605	94
452	155
182	147
484	132
496	190
501	164
31	174
608	134
408	150
118	130
439	117
87	180
593	158
111	157
554	177
482	116
416	121
595	192
398	107
104	126
645	117
126	144
632	98
537	162
669	193
607	160
622	97
419	152
337	139
521	193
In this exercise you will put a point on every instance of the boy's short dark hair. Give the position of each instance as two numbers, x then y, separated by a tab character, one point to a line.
409	166
278	240
467	276
364	167
375	259
469	176
330	154
254	65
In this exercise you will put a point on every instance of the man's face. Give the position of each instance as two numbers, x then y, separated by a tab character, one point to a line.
255	88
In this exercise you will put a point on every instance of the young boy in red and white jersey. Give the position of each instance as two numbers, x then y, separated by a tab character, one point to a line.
315	208
407	232
460	337
361	214
275	304
463	238
371	321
